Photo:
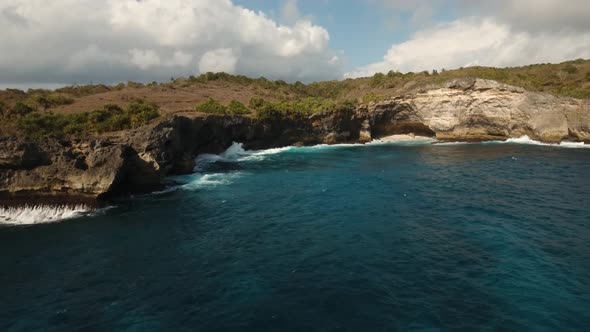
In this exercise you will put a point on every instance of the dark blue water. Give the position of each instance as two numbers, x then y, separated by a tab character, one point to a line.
376	238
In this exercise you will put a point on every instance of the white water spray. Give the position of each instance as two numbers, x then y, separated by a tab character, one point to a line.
29	215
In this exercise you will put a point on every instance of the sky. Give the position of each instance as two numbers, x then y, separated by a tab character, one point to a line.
63	42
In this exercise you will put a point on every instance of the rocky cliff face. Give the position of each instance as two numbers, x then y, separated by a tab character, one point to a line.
88	171
475	110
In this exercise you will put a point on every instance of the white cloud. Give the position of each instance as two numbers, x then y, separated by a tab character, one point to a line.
529	15
535	15
477	41
86	40
144	59
221	60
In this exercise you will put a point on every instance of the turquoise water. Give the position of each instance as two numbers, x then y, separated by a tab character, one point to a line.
349	238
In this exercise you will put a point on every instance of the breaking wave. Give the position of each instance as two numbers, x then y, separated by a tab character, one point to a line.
234	153
30	215
525	140
203	181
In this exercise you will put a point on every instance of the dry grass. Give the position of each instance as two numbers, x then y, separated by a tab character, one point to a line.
568	79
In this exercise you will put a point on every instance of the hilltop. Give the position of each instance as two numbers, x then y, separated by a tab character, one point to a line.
90	109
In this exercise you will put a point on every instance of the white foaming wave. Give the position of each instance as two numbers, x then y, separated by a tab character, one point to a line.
453	143
237	153
204	181
234	153
527	140
30	215
574	145
523	140
418	140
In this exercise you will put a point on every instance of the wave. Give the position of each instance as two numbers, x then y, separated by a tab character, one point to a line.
234	153
30	215
525	140
203	181
237	153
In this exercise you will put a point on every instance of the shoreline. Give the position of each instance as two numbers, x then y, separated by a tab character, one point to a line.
94	170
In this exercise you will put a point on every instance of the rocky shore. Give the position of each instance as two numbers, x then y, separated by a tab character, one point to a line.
94	170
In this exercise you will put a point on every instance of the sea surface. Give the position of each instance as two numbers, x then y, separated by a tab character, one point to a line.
408	236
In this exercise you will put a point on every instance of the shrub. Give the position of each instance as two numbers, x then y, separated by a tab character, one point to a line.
256	103
377	80
570	69
21	109
51	100
83	90
139	111
370	97
109	118
211	106
235	108
2	107
299	108
134	85
16	91
588	76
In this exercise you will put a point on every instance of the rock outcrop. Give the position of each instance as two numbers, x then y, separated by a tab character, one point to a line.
92	170
476	110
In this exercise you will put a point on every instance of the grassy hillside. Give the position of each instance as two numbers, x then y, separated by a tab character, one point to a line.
112	107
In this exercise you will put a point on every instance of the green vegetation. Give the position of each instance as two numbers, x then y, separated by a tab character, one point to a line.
563	79
21	109
109	118
50	100
30	111
84	90
211	106
135	85
235	107
296	108
570	69
214	107
371	97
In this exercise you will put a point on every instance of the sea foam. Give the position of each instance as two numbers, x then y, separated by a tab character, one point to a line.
29	215
527	140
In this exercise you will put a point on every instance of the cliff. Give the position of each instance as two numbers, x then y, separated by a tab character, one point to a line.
93	170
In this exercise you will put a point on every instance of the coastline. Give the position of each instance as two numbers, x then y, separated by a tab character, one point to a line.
94	170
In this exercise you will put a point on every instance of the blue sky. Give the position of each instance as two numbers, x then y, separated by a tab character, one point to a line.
81	41
362	29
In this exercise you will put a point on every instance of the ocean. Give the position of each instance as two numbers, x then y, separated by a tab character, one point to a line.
407	236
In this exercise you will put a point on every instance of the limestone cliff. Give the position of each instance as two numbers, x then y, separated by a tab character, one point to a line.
475	110
91	170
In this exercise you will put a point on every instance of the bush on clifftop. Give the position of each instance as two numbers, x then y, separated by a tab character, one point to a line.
297	108
212	106
109	118
51	100
21	109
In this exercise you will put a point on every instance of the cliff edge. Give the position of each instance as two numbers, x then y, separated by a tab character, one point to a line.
89	171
